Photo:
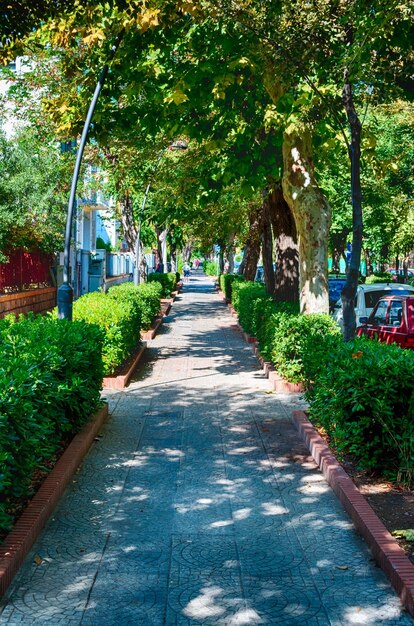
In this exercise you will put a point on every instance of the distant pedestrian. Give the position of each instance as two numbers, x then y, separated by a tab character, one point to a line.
186	270
196	264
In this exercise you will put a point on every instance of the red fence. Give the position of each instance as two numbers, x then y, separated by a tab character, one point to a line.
25	270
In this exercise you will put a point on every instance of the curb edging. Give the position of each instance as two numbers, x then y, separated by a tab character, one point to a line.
122	380
384	548
149	334
280	385
28	527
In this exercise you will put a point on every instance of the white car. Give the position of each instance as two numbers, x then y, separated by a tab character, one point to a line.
367	297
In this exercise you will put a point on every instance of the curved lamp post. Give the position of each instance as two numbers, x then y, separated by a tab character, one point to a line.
176	145
65	291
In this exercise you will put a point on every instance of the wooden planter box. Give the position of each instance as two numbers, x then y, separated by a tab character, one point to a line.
28	527
122	379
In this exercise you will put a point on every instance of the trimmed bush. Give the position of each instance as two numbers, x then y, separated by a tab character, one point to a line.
210	268
120	321
245	297
147	296
294	337
226	281
177	277
168	282
364	398
378	277
50	381
267	315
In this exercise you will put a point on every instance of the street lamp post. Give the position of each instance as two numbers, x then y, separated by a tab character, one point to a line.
176	145
65	291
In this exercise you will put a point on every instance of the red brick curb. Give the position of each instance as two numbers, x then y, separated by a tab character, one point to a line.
122	380
385	549
28	527
166	305
151	332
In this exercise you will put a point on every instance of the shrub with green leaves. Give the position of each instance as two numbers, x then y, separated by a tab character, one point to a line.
246	296
226	281
120	321
294	336
210	268
364	398
147	296
168	282
267	315
378	277
50	381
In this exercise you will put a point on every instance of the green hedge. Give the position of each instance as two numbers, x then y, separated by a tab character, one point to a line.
226	281
267	315
295	337
210	268
361	393
147	296
120	321
168	282
364	398
378	277
246	296
50	381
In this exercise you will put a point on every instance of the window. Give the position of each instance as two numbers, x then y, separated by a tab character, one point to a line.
395	313
378	317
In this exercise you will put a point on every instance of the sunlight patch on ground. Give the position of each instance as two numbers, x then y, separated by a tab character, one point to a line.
206	604
269	508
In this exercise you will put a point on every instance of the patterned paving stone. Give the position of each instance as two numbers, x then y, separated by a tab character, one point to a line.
198	504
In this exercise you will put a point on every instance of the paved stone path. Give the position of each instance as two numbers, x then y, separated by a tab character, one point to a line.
199	505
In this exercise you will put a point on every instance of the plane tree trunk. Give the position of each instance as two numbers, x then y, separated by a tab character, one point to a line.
286	248
312	216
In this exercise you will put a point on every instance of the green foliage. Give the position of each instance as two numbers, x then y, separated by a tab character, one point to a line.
295	336
168	282
210	268
226	281
378	277
50	381
103	245
267	315
32	206
245	297
177	277
364	399
146	296
120	321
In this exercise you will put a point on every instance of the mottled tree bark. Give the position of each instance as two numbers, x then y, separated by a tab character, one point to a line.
127	221
286	248
173	257
253	243
312	215
230	253
243	261
267	247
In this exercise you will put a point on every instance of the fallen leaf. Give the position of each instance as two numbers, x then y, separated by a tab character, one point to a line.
38	559
343	567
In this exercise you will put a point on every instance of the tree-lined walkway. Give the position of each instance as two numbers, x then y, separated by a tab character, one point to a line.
199	505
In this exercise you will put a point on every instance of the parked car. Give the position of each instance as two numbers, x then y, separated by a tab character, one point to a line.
391	321
367	297
396	275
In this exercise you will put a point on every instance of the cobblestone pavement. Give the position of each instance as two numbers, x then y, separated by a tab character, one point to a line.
199	505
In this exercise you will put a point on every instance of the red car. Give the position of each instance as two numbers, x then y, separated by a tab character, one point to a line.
391	321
